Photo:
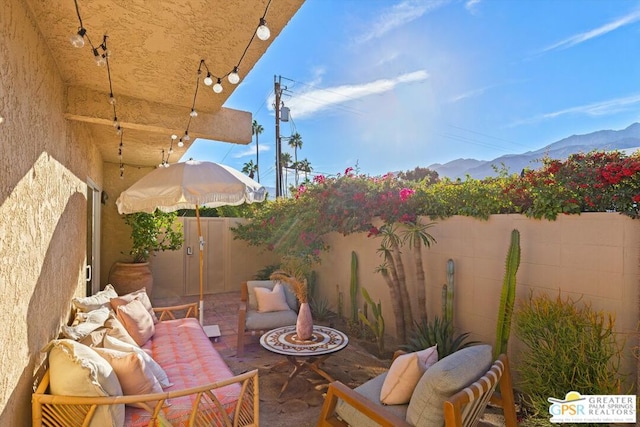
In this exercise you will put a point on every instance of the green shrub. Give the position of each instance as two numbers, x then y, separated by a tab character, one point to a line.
570	347
427	334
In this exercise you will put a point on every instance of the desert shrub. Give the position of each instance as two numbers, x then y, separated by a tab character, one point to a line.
429	333
569	347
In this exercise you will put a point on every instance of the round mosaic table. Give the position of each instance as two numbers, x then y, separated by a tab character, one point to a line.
323	343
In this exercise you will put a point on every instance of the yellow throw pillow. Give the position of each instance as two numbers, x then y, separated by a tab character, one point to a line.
137	320
77	370
404	374
271	300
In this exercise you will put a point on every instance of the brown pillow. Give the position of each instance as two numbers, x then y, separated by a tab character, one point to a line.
140	294
134	375
137	320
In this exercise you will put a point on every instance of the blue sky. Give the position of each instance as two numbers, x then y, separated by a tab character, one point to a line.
391	85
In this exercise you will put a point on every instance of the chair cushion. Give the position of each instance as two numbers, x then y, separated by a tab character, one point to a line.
271	299
442	380
292	301
371	391
404	374
271	320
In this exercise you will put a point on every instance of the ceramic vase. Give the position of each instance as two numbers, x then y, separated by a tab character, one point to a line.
304	324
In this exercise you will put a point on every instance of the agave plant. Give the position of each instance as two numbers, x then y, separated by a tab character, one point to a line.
427	334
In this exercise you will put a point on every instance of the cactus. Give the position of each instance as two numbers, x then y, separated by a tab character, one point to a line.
447	296
508	295
340	302
353	289
377	325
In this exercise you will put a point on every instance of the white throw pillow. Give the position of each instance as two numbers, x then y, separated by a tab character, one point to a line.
77	370
85	323
404	374
114	343
98	300
271	300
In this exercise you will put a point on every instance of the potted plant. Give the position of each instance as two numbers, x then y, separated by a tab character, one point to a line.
150	233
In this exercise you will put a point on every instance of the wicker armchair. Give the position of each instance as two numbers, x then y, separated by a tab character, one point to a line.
251	322
463	408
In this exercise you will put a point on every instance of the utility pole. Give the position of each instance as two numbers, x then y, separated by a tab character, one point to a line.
278	92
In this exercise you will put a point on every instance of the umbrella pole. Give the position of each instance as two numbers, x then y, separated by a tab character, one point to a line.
201	243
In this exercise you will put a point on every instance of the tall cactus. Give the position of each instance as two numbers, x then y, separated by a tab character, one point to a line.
377	325
353	289
447	296
508	295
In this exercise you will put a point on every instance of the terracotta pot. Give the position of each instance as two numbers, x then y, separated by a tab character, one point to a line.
304	324
128	277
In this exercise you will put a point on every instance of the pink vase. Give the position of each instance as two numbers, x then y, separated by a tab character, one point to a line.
304	324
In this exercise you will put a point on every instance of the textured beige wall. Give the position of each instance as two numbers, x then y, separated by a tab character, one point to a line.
44	167
593	256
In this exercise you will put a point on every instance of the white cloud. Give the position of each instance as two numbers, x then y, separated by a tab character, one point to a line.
304	104
597	32
469	94
612	106
471	5
399	15
250	150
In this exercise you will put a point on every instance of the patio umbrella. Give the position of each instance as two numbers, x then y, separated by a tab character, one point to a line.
189	185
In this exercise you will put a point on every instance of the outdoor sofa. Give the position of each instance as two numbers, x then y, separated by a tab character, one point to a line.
98	376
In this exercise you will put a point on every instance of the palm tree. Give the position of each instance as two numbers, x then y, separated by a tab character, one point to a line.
285	163
305	166
257	129
416	235
295	142
249	168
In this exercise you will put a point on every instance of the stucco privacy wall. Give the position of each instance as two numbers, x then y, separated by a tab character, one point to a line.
44	166
594	256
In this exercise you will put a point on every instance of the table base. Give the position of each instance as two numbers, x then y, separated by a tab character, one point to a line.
312	363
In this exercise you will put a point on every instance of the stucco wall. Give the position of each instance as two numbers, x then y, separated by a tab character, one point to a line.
45	163
593	256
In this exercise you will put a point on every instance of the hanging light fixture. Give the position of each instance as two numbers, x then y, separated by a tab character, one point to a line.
180	143
234	77
208	80
263	31
193	113
77	40
217	88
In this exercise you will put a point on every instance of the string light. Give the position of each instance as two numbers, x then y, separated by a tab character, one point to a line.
263	31
101	56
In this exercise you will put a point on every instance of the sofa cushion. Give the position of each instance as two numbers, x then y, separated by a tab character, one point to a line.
137	320
371	391
98	300
140	294
442	380
266	321
404	374
85	323
271	299
292	301
77	370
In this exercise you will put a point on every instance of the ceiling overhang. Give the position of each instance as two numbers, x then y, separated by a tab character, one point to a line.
156	50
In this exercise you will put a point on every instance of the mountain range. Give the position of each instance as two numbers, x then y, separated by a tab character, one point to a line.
604	140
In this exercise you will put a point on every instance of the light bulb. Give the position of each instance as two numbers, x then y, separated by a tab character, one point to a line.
217	88
77	40
119	130
112	99
208	80
174	136
234	78
170	150
180	143
193	113
263	32
100	61
186	136
1	120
